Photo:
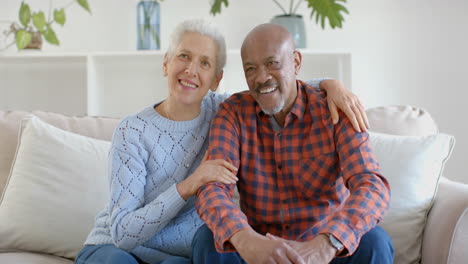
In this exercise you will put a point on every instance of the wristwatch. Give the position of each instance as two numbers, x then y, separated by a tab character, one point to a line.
335	242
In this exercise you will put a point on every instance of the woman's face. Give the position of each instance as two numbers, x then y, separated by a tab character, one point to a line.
191	70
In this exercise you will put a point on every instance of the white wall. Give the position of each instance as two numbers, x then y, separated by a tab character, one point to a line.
404	52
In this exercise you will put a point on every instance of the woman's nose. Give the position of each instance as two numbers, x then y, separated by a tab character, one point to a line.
191	68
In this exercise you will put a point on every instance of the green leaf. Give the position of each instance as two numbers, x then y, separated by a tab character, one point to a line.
24	14
216	6
23	38
84	4
59	16
39	21
50	36
330	10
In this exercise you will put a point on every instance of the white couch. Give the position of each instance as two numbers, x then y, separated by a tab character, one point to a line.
444	231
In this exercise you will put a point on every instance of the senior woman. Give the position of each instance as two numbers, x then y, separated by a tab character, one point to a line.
156	158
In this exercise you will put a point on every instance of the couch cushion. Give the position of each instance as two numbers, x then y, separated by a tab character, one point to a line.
31	258
95	127
57	185
413	166
401	120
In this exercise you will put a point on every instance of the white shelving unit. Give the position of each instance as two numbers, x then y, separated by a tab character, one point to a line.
118	84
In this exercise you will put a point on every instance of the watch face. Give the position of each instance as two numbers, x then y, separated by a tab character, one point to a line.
335	242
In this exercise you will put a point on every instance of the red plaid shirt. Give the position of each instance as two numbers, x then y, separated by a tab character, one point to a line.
307	178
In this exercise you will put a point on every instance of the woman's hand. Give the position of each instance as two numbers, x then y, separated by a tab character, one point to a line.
209	170
339	97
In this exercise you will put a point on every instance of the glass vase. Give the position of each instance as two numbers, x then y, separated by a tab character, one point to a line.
148	25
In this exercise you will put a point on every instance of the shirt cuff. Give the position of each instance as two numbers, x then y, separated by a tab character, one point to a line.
345	235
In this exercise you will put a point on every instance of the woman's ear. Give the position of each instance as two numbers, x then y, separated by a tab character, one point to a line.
216	82
164	66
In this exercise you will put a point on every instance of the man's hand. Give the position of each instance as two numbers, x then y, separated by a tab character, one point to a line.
316	251
255	248
338	97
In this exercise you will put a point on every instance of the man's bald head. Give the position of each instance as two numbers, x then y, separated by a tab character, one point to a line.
265	33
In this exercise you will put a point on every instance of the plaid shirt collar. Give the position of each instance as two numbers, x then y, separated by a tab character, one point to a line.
299	105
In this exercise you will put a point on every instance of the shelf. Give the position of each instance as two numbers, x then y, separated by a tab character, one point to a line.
45	83
118	84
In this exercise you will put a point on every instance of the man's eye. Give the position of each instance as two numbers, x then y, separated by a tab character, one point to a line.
183	56
273	64
249	69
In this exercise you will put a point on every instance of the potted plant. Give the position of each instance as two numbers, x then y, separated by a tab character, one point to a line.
323	10
34	26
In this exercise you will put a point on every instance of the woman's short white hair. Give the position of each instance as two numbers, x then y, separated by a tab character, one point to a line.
202	27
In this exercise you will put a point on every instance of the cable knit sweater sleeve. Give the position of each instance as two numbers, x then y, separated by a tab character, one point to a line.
133	220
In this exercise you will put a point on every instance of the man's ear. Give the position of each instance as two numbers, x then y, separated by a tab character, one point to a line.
216	82
297	61
165	62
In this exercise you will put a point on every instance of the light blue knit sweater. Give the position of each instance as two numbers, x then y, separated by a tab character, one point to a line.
146	215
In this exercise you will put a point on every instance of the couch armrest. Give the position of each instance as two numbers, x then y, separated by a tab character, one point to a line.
446	231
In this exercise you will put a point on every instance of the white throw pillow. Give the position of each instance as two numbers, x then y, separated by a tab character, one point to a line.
57	184
413	166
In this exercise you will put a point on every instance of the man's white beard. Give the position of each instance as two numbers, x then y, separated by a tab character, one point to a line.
275	110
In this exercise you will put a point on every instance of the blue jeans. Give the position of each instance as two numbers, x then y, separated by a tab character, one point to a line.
110	254
203	250
375	248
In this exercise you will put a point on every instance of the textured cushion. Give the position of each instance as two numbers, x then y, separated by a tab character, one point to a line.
401	120
95	127
57	184
413	166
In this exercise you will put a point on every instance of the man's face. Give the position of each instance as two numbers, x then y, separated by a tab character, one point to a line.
270	68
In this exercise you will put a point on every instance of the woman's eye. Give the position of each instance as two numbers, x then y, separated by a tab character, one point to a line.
183	56
205	64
